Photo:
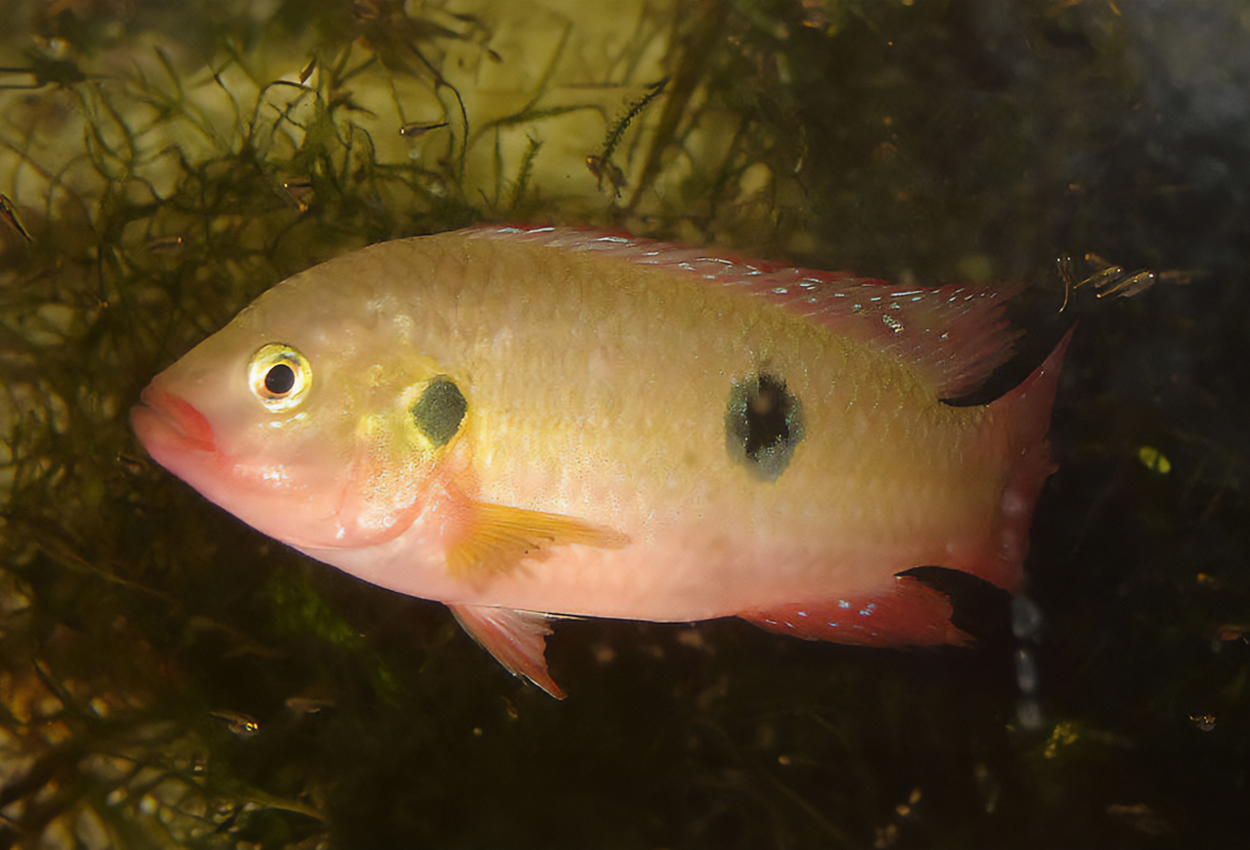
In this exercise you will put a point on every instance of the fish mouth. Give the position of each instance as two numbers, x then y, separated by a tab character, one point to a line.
164	421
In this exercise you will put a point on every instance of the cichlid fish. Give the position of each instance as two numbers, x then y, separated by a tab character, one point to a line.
528	422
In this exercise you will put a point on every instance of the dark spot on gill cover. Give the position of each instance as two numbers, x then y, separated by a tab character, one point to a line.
763	424
439	411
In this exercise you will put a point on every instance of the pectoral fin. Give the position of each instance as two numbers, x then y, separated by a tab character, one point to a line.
517	639
495	538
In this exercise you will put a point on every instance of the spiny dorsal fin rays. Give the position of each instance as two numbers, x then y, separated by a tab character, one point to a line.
517	640
496	538
954	335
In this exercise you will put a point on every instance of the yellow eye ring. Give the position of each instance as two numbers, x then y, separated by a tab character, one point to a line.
279	376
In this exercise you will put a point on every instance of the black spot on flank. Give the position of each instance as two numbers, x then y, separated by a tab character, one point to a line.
766	416
763	424
439	411
279	379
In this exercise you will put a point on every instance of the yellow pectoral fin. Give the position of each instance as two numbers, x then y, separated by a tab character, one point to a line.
496	538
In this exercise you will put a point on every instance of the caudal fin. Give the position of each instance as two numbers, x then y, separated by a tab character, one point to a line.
1022	416
911	612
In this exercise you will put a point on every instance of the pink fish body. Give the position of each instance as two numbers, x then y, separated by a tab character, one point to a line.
527	422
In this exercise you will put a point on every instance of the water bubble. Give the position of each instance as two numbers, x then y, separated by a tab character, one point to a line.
1026	618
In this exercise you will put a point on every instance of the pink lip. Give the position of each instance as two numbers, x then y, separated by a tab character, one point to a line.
163	419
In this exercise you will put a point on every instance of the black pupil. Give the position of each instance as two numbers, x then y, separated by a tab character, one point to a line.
279	379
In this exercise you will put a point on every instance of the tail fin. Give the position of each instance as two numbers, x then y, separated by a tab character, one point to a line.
911	612
1024	413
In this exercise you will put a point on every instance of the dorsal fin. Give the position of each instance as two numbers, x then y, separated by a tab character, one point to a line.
953	335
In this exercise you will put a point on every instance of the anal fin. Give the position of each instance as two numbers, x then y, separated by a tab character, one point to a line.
517	639
909	614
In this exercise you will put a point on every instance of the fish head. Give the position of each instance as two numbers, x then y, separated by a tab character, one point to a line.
319	427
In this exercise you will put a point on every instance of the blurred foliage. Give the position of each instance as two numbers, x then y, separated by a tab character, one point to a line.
171	678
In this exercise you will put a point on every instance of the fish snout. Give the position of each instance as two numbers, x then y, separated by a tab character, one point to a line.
164	420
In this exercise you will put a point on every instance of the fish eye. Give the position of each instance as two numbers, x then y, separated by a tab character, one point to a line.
279	376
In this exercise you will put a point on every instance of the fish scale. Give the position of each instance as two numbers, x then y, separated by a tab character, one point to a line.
648	431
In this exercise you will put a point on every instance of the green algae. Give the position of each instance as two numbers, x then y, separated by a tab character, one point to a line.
172	678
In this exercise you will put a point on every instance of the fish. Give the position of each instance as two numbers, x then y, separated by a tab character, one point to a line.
528	423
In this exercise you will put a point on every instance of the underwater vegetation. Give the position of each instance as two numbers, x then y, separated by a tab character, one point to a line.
171	677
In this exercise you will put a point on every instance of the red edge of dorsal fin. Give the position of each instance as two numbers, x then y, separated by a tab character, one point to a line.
953	335
517	640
